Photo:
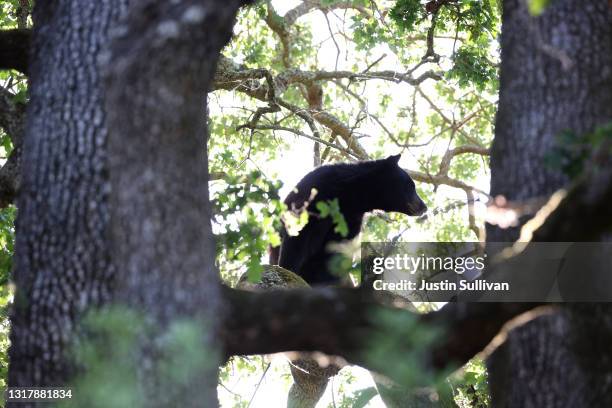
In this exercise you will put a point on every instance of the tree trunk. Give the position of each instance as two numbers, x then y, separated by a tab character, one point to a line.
140	194
556	76
160	70
62	263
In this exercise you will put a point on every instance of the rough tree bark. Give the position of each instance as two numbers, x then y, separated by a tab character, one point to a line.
62	265
161	67
559	80
160	70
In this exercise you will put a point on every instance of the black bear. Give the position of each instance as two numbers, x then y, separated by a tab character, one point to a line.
359	187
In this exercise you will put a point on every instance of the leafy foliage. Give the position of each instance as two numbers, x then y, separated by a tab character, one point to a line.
247	217
472	67
406	13
110	352
470	386
572	153
400	346
7	238
331	208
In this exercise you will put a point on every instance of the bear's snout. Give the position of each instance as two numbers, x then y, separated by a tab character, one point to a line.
417	207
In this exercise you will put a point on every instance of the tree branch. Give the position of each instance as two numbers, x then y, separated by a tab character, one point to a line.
341	149
307	6
236	78
23	11
246	81
338	128
278	25
452	153
228	79
12	116
340	321
10	178
12	120
439	179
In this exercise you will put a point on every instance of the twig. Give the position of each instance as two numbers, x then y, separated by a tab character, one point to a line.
333	38
369	67
258	384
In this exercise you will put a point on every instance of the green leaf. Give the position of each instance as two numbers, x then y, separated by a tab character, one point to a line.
323	208
537	7
332	208
364	396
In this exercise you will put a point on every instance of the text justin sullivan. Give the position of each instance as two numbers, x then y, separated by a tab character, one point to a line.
476	285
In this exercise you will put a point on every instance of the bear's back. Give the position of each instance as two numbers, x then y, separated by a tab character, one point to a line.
330	181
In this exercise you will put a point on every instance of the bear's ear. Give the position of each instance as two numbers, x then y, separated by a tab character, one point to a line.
394	159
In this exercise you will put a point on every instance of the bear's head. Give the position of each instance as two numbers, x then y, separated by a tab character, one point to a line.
399	192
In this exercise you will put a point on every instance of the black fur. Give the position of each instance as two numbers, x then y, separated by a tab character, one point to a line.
359	188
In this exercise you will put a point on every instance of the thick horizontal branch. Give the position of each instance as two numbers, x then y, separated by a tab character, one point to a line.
307	6
15	44
228	79
294	75
339	322
15	49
